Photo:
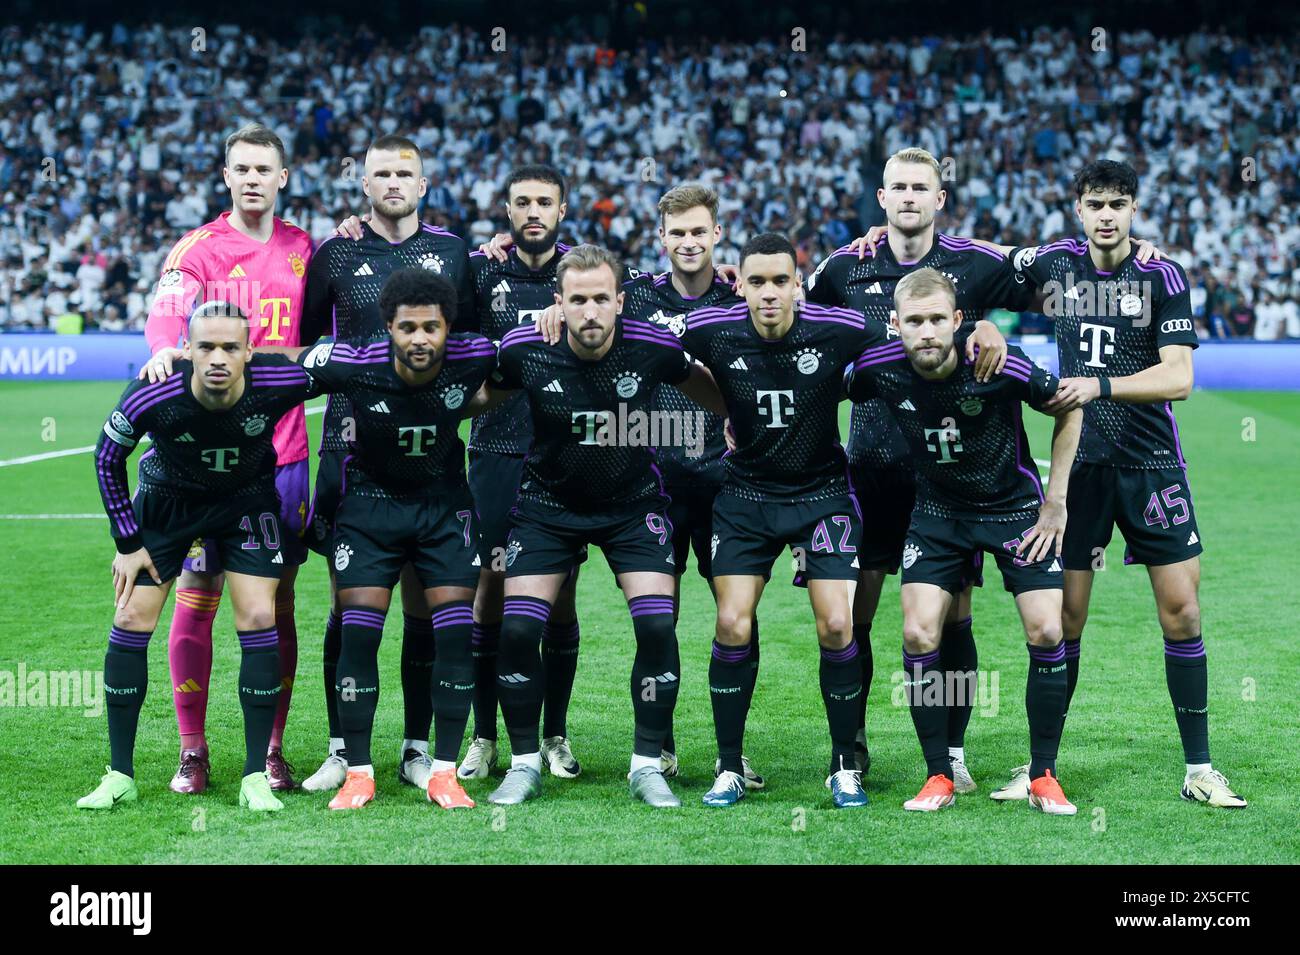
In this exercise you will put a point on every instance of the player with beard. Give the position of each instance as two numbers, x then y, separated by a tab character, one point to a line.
977	491
689	231
585	485
511	287
343	286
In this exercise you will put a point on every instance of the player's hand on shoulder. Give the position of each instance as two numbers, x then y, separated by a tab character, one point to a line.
865	245
125	569
988	349
350	228
1072	393
498	247
159	367
550	323
1146	251
1048	535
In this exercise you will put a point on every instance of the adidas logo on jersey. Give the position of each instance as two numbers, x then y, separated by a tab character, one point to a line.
1055	568
554	387
1193	539
501	288
514	678
278	559
874	289
364	270
237	272
187	437
382	407
906	405
739	364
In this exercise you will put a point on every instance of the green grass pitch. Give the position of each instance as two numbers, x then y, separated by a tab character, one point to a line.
1120	761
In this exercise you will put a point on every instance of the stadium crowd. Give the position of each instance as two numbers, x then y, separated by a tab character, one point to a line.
111	144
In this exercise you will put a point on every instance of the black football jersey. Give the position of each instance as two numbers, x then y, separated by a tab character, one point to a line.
592	437
1113	324
967	439
507	295
652	298
404	440
984	279
196	454
782	396
343	283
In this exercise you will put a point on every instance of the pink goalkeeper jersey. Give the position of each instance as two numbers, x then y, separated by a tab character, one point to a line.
267	280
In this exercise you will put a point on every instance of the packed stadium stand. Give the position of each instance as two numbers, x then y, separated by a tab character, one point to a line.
110	144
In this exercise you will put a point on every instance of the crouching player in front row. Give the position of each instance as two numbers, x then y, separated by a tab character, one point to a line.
209	474
406	500
977	490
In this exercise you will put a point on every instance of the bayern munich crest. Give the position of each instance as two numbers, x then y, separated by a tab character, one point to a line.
255	425
453	398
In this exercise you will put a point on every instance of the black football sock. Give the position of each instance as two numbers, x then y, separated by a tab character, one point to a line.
728	667
1045	691
520	677
259	692
926	699
417	676
1188	679
485	640
453	677
841	683
560	663
751	680
656	671
358	680
958	656
862	637
1071	670
330	664
126	677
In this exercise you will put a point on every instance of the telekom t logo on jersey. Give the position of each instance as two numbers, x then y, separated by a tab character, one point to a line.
945	441
1097	342
587	424
777	406
415	441
220	460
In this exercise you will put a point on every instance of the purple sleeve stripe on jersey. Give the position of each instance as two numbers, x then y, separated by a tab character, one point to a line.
1178	444
476	254
894	347
1014	373
518	336
1021	440
1068	245
956	244
145	395
879	360
365	360
134	409
1173	281
112	485
111	471
738	310
635	325
1014	362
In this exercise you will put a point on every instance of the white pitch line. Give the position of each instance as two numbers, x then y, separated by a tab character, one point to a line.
48	455
53	517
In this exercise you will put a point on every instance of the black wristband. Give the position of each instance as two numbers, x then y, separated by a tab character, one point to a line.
1104	385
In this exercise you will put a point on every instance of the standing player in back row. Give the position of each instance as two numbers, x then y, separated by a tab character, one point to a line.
259	262
210	473
779	368
509	293
693	475
977	491
1124	336
343	286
